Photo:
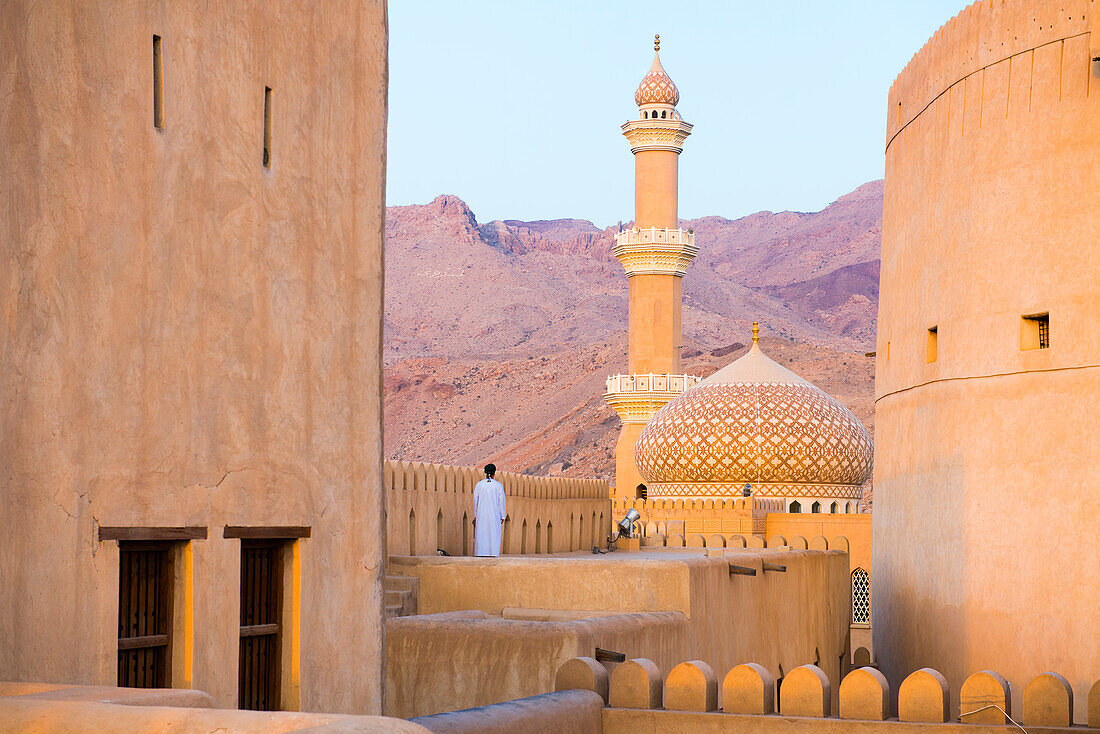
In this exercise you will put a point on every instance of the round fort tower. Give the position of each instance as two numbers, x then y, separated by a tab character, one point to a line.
655	253
988	366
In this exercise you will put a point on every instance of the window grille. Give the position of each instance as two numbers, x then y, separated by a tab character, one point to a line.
261	594
144	614
267	127
1035	331
158	84
861	597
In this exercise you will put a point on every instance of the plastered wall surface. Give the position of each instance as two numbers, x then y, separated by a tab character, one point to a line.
781	620
564	712
656	186
447	662
188	337
627	476
66	717
172	697
985	476
855	528
654	322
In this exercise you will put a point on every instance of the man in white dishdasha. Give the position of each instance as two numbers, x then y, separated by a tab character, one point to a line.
489	513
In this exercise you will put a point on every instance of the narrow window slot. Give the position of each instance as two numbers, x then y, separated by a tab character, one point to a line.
931	346
158	84
1035	331
267	127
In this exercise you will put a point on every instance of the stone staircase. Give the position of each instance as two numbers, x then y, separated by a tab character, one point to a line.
401	593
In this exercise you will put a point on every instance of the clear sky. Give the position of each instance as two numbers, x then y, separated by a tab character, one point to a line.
515	105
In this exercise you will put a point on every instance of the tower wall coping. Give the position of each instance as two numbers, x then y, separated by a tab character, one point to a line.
983	34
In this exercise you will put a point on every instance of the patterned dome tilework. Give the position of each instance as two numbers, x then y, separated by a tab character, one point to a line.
760	489
755	432
657	87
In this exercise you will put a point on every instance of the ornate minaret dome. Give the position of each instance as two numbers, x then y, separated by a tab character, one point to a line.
658	126
657	86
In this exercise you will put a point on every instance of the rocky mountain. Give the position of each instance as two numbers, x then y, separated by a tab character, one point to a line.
499	335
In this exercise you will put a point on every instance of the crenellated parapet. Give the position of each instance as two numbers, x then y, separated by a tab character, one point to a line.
707	523
982	36
637	397
752	506
415	476
429	507
864	694
655	250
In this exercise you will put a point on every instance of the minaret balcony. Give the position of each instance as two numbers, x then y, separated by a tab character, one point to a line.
637	397
656	134
655	250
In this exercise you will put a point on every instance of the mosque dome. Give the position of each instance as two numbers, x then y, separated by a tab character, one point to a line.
657	86
754	422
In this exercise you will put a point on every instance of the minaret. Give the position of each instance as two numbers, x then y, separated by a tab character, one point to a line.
655	254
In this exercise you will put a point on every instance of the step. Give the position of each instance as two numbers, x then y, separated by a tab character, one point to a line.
411	605
402	583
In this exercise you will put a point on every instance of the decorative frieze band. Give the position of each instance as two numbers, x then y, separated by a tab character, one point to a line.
637	397
708	490
637	407
656	134
650	383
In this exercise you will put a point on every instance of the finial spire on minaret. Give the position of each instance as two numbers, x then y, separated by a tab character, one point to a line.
657	87
755	332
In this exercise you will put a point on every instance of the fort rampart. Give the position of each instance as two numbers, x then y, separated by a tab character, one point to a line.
988	355
495	629
430	507
693	698
985	35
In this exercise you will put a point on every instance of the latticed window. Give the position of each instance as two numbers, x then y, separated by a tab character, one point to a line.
1035	331
861	597
261	595
144	614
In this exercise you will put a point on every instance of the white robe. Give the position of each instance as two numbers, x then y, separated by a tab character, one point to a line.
489	512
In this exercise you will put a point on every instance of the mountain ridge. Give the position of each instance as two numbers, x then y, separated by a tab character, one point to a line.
499	334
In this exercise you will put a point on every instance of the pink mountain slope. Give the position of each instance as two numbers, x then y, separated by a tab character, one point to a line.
499	335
